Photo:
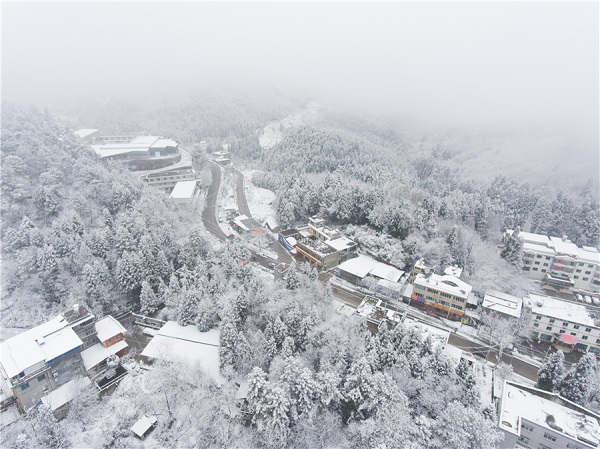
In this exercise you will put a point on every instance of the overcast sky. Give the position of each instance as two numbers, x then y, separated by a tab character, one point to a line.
455	63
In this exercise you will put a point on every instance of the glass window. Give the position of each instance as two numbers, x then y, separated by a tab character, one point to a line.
548	328
552	320
585	279
41	378
574	334
565	323
539	317
562	331
576	326
526	427
536	324
25	386
524	439
588	329
549	437
585	337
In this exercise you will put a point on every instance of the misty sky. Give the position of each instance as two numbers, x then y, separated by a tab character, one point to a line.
454	63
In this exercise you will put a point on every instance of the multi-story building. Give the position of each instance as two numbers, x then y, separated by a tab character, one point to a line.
40	360
321	245
139	152
559	262
537	419
166	180
109	341
566	324
443	294
501	305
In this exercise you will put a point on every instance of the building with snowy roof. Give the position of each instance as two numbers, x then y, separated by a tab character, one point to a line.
138	152
445	295
86	134
355	270
559	262
501	305
111	342
59	399
143	426
566	324
532	418
243	223
40	360
189	346
184	192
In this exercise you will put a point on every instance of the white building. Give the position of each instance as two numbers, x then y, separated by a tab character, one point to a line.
445	294
501	305
357	269
184	192
568	325
560	262
138	152
86	134
536	419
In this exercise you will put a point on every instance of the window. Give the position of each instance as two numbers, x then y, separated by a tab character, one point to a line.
538	257
536	263
535	269
25	386
588	272
41	378
539	317
576	326
552	320
574	334
548	328
550	437
545	264
585	279
536	324
588	329
585	337
524	439
572	446
565	323
543	446
598	340
578	271
562	331
576	277
526	427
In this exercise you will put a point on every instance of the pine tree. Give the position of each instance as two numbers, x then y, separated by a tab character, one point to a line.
513	249
575	386
148	300
551	372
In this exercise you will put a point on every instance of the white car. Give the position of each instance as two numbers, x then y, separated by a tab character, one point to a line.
588	300
596	301
579	298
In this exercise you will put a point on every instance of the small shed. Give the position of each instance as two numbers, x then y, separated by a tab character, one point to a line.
143	426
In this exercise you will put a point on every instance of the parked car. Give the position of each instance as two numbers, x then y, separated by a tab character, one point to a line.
588	300
579	298
596	301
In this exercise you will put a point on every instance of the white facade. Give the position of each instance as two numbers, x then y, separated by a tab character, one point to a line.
559	261
184	192
549	318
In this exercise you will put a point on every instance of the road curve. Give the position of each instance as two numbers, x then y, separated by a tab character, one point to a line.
209	214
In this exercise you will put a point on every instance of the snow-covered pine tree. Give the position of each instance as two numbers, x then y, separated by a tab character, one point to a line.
575	385
513	249
551	372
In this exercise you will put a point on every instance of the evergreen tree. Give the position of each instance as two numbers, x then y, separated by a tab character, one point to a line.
575	385
148	300
513	249
551	372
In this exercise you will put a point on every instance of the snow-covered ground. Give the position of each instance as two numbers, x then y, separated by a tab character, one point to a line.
260	201
274	132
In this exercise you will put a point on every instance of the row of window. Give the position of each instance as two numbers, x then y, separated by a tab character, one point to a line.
561	261
565	323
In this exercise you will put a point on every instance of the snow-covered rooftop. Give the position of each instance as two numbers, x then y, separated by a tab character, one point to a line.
83	133
589	254
545	410
503	303
97	353
109	327
184	189
163	143
359	266
564	246
65	393
40	344
341	243
453	270
137	144
186	344
445	283
362	265
528	237
390	284
559	309
143	424
538	249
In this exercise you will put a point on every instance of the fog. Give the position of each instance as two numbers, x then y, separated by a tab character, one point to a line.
450	64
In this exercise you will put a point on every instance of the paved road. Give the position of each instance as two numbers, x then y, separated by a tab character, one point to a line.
240	195
209	214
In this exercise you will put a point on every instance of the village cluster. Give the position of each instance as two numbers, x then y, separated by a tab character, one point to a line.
51	363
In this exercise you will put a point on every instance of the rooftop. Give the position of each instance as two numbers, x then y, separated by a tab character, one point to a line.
246	223
453	271
65	393
445	283
362	265
97	353
137	144
564	246
143	424
38	345
184	189
503	303
108	327
547	410
559	309
341	243
538	249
